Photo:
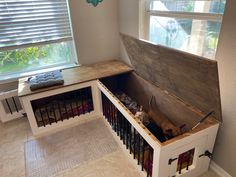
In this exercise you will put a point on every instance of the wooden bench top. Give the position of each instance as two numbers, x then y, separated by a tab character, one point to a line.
80	74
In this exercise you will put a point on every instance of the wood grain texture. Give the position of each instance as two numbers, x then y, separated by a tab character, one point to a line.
79	75
191	78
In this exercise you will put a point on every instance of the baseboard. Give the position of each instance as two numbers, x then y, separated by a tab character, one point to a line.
218	170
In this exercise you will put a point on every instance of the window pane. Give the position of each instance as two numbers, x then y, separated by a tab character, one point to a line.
37	57
214	6
199	37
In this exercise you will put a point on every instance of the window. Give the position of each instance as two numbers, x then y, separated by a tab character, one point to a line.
189	25
34	34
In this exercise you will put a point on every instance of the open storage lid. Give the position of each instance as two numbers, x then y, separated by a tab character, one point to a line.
191	78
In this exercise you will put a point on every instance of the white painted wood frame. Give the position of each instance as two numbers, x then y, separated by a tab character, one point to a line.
39	131
200	141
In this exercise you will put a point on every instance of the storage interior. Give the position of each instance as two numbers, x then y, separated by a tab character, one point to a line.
62	106
141	91
189	77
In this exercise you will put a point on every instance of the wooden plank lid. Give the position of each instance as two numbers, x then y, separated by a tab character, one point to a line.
191	78
79	75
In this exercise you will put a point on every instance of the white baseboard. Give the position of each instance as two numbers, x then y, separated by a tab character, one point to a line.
218	170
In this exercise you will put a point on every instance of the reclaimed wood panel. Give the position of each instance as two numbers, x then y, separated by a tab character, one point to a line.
192	78
80	74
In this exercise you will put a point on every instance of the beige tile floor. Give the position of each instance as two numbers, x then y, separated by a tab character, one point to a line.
12	163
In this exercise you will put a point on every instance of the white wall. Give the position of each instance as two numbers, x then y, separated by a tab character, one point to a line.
96	30
128	17
225	149
129	22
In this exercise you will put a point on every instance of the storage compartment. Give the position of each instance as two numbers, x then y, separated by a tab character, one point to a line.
141	92
76	101
142	141
62	106
185	90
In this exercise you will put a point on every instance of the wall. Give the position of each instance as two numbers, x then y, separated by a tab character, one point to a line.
224	154
128	17
225	149
96	30
129	22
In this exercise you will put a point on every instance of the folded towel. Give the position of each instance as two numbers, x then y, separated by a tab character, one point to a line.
45	80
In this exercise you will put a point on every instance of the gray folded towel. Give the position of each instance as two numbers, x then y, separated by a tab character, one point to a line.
45	80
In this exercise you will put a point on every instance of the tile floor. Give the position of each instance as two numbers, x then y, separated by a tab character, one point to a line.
12	163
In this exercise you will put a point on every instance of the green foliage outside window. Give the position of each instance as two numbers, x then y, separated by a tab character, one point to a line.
189	7
32	58
22	56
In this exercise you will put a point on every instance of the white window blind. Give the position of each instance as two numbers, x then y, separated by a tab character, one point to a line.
27	22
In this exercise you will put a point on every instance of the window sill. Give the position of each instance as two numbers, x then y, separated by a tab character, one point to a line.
14	77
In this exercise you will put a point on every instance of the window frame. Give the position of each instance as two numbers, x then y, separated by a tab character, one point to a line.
145	14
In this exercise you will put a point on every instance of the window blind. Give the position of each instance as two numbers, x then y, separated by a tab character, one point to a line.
31	22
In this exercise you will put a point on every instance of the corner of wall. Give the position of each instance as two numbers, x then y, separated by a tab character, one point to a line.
218	170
